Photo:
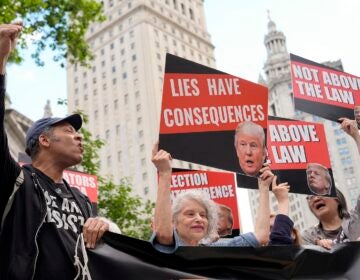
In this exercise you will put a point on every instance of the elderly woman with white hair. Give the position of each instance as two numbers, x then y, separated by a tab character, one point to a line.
193	216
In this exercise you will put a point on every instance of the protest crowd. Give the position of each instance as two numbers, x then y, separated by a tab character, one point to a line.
48	226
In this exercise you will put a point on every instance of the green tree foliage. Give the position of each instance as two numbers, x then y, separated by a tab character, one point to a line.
129	212
116	201
57	24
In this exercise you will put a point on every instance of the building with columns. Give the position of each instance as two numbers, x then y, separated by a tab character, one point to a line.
121	91
16	126
342	149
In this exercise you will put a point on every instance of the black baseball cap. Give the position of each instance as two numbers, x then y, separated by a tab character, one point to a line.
39	126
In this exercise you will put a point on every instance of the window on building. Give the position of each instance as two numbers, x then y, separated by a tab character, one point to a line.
124	75
146	190
133	57
338	131
183	8
344	151
191	13
142	147
341	141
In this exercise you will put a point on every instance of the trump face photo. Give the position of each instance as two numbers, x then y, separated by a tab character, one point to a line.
318	179
250	147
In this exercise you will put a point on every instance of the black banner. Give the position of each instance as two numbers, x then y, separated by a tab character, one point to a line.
122	257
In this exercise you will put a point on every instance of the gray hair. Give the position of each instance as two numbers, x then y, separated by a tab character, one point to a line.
203	199
250	128
324	169
34	147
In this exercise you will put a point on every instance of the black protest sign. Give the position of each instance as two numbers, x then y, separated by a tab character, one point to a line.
299	155
323	91
202	107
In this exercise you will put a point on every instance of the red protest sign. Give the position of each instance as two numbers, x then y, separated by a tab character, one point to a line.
202	107
294	148
86	183
218	186
293	144
323	91
210	102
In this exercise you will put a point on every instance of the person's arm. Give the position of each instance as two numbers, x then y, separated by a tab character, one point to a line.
163	217
8	36
9	169
353	223
281	192
310	236
263	217
93	229
350	127
283	225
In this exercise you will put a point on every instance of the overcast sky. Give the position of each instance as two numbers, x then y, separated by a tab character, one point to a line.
318	30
